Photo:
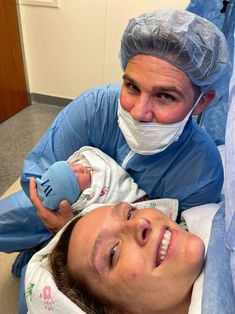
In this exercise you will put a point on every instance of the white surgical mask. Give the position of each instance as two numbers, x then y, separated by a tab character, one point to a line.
147	138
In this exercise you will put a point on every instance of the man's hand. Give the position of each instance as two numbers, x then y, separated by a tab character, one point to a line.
53	220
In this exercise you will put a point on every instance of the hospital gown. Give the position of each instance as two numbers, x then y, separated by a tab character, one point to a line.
189	170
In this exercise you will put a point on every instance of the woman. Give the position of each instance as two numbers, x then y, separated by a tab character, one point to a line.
119	259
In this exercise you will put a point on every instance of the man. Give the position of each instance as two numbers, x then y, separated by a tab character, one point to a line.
171	59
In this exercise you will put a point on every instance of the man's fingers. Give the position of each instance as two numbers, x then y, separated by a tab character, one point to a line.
65	210
64	205
43	213
32	188
33	193
53	220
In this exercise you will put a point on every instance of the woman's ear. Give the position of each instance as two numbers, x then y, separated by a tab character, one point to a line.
205	100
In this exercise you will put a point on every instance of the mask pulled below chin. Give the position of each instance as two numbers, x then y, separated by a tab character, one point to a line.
148	138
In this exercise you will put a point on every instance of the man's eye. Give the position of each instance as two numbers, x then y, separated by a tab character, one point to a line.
130	213
166	97
131	87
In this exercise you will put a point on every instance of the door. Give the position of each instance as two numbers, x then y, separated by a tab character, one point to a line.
13	88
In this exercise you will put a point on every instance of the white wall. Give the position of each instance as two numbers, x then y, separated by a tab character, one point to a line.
74	47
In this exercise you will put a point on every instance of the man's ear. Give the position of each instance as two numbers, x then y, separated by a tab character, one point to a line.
205	100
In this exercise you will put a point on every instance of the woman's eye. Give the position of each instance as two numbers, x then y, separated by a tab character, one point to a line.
112	256
130	213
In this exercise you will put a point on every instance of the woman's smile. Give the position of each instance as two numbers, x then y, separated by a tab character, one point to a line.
162	249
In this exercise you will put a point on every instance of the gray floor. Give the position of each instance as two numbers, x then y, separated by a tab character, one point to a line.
18	135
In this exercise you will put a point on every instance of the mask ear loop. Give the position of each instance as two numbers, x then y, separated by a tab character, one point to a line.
200	116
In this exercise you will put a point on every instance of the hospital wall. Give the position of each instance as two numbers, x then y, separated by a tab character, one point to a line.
74	47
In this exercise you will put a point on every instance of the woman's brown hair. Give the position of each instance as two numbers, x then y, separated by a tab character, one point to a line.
76	291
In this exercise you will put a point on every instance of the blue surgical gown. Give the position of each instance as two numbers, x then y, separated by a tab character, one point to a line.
189	170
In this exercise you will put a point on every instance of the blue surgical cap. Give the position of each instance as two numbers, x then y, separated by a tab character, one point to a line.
56	184
191	43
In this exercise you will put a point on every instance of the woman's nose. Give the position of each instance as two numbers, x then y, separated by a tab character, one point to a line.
142	110
141	229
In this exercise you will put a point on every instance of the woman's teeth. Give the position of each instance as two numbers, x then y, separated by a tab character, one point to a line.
164	245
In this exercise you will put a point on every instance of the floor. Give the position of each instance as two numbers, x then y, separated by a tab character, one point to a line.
17	137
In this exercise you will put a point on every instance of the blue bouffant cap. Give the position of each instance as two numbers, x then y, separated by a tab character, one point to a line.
188	41
56	184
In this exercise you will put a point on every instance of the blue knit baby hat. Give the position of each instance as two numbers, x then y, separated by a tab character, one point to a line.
56	184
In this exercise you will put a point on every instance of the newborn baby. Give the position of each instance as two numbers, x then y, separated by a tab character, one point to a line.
63	180
89	176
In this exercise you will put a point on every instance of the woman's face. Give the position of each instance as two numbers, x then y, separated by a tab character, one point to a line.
139	261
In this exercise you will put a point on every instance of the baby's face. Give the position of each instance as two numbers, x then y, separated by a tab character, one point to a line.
83	175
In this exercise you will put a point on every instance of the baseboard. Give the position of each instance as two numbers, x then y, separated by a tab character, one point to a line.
48	100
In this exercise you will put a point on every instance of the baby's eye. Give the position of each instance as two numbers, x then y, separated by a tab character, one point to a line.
130	212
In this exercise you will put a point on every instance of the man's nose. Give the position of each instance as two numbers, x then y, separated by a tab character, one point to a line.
143	109
140	228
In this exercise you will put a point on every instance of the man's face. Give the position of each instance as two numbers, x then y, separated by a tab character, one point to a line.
153	90
138	260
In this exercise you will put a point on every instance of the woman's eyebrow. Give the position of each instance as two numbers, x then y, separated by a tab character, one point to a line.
98	261
103	234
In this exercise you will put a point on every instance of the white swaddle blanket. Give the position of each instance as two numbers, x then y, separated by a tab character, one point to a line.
110	183
42	294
